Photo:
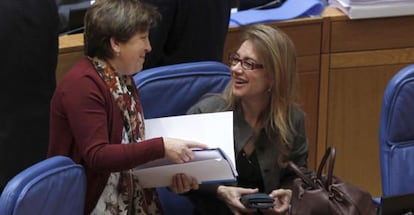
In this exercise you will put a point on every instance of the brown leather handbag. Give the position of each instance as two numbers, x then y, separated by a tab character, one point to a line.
318	194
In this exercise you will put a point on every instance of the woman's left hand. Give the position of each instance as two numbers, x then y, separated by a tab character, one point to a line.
182	183
282	199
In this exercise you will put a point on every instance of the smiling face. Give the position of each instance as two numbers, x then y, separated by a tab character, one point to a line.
249	84
130	56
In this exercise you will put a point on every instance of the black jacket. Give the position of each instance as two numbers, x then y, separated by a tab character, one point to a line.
205	200
29	39
189	30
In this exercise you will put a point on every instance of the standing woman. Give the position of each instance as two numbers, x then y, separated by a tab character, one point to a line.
96	116
269	127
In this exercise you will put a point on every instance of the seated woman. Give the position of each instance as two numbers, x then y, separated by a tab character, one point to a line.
269	127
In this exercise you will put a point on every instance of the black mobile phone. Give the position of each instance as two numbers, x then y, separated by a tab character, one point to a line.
257	201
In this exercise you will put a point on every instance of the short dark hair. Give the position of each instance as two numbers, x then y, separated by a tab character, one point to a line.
120	19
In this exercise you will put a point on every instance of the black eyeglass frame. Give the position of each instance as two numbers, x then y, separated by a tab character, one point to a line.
234	59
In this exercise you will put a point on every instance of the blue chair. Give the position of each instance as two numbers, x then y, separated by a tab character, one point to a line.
396	134
171	91
53	186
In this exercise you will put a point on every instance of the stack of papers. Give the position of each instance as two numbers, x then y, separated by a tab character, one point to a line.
212	165
360	9
371	2
208	166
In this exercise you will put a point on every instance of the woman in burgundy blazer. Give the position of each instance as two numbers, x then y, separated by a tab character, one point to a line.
97	119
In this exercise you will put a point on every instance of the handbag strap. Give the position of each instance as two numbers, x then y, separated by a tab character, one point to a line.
330	153
305	178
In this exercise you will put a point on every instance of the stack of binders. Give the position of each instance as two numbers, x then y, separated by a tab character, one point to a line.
362	9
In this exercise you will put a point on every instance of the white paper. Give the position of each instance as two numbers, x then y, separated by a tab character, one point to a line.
212	129
208	166
363	11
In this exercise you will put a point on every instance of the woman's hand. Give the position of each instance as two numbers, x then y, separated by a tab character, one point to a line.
179	151
231	196
282	199
182	183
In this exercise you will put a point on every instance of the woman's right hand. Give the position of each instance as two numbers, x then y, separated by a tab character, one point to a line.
179	151
231	196
182	183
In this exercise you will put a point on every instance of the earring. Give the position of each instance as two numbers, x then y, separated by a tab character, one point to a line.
117	54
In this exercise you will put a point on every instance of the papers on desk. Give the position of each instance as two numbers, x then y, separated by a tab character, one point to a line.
360	9
215	164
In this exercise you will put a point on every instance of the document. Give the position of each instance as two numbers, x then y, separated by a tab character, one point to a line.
209	165
374	8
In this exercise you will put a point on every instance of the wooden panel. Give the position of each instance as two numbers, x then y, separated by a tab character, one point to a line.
372	34
355	98
308	64
308	96
323	107
70	50
308	67
68	43
65	62
309	45
372	58
362	56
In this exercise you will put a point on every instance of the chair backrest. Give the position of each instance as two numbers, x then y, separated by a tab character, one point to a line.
171	91
71	14
396	134
53	186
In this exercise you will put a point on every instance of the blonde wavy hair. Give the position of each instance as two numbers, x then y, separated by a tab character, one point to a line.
277	53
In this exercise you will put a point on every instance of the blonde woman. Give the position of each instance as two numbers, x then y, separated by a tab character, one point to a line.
268	126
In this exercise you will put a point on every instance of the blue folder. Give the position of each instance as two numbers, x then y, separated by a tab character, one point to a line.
289	10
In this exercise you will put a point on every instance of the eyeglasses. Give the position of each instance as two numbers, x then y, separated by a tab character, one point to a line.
247	64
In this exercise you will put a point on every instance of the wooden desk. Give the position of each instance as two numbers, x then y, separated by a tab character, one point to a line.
70	50
360	57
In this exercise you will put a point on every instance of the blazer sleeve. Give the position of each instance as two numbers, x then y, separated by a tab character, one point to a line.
94	126
209	103
300	147
299	150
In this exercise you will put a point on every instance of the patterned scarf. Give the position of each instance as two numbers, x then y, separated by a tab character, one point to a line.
123	187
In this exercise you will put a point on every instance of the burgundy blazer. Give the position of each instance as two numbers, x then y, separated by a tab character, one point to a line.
86	124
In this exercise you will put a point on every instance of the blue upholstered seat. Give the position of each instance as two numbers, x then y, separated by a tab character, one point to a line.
53	186
396	134
171	91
